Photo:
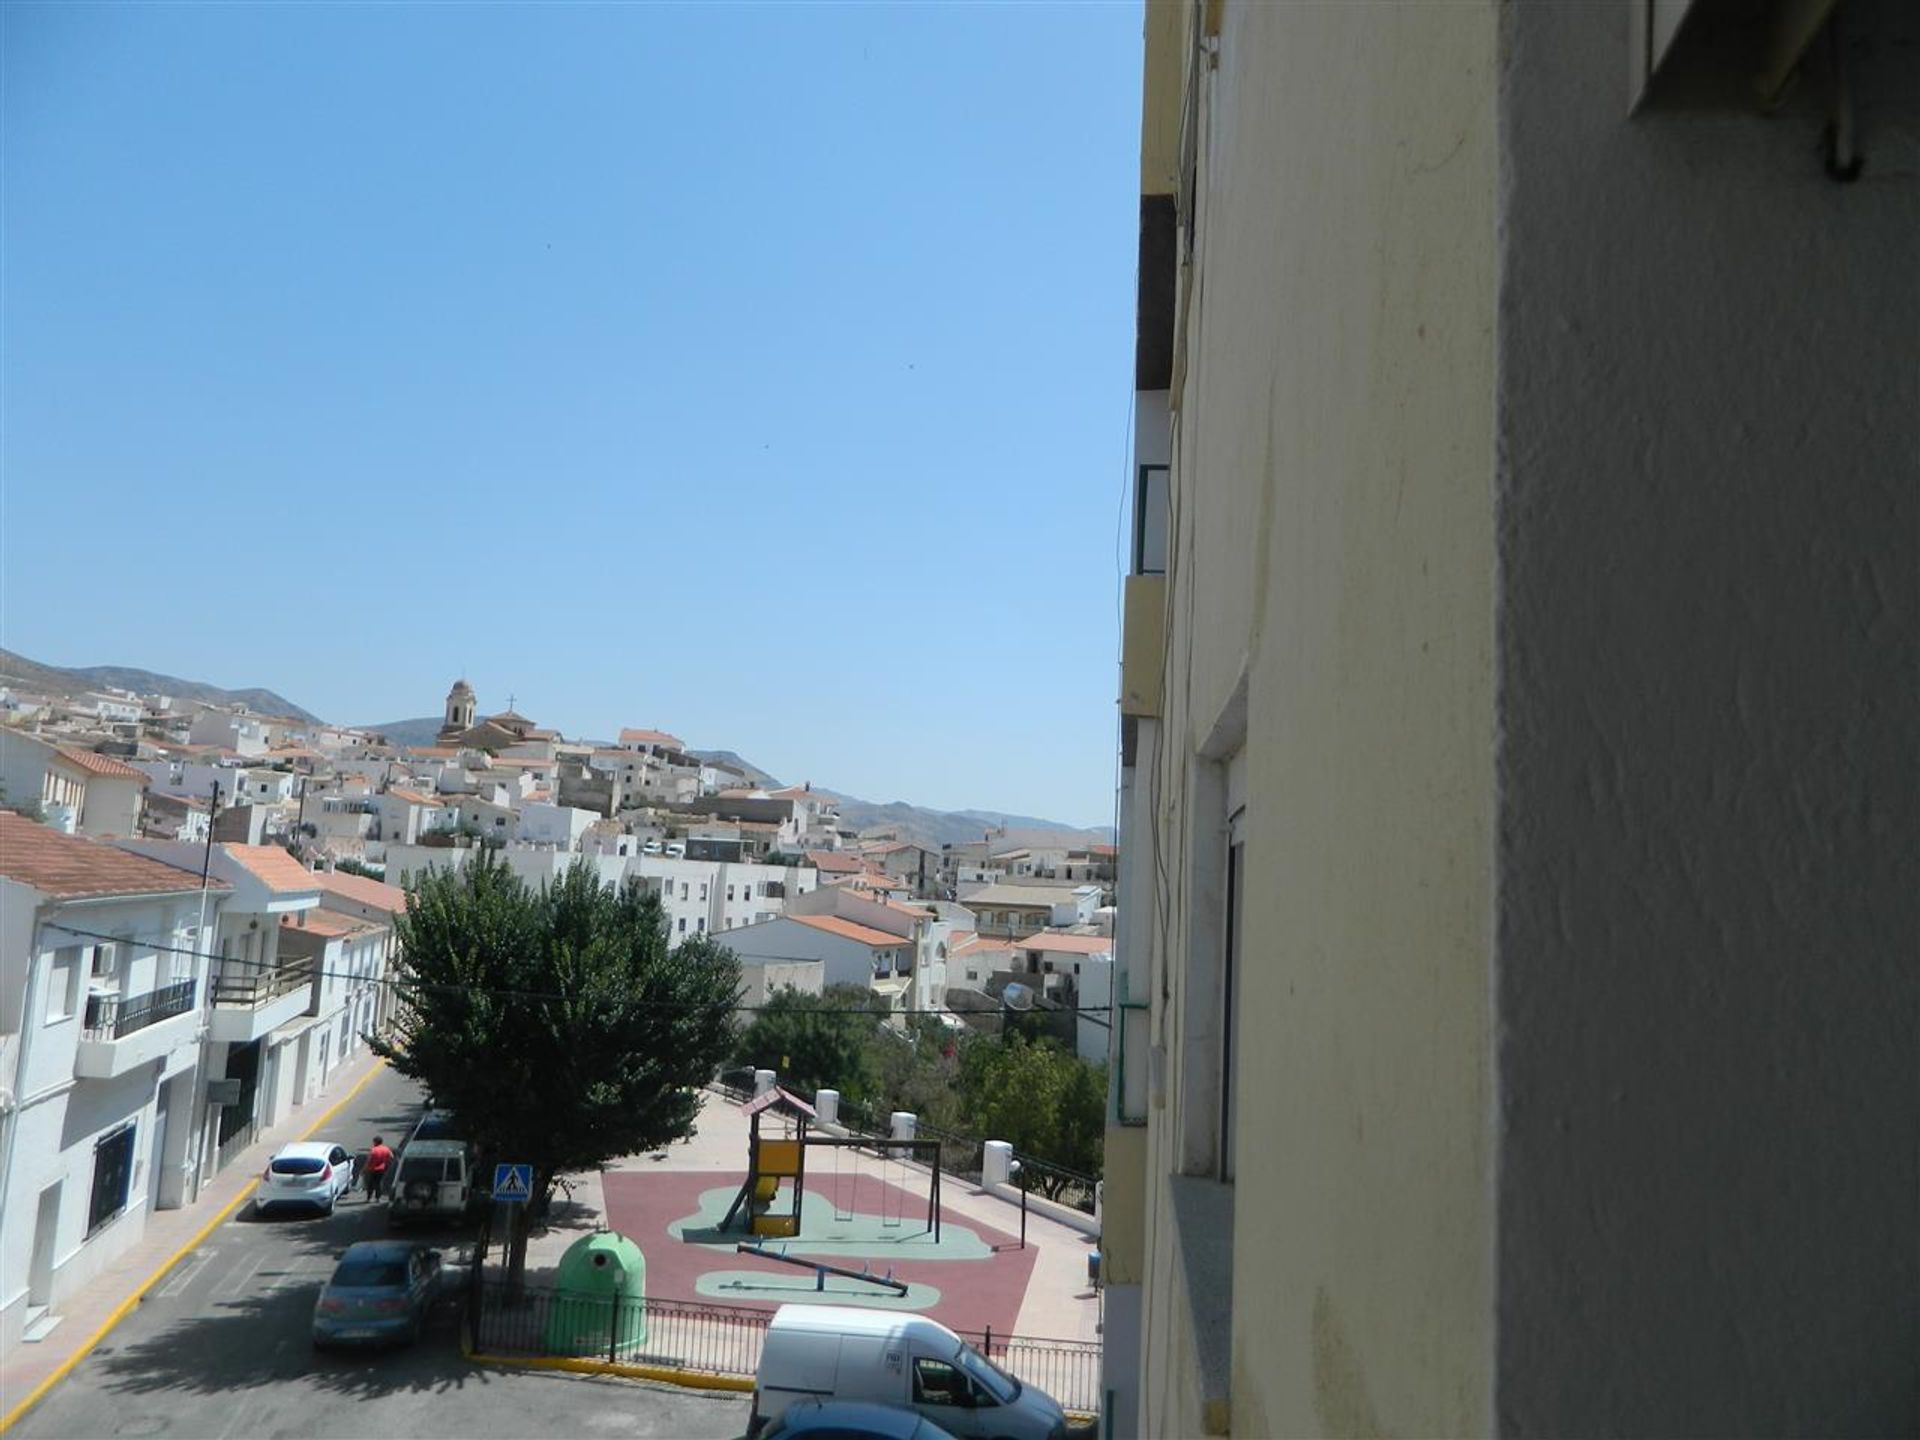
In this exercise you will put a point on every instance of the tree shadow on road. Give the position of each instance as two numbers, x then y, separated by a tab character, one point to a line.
261	1338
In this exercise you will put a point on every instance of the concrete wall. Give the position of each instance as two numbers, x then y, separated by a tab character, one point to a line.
1331	603
1709	1080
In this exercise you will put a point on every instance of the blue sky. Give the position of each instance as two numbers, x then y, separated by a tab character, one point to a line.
755	372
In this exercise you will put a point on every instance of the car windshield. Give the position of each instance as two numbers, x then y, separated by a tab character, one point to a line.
298	1165
427	1167
987	1375
435	1127
370	1275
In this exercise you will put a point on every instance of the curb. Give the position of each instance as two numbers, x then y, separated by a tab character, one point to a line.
125	1307
580	1365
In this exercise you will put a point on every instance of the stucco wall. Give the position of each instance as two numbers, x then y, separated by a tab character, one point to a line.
1710	1085
1333	545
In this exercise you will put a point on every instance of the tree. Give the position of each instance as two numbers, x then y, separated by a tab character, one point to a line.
347	865
1046	1101
557	1025
813	1040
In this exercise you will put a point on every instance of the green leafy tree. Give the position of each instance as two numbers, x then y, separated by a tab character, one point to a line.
558	1025
814	1040
1046	1101
347	865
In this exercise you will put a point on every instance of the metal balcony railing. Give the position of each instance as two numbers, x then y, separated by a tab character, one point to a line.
114	1017
251	985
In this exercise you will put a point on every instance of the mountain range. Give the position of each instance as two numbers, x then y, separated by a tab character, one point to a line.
78	679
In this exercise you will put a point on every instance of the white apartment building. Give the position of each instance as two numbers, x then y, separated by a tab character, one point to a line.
101	996
561	826
78	791
704	896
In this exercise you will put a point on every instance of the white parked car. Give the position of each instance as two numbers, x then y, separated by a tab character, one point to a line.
311	1174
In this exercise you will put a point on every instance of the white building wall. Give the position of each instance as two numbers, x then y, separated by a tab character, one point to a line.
48	1138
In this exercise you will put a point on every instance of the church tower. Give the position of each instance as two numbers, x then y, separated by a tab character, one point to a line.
460	709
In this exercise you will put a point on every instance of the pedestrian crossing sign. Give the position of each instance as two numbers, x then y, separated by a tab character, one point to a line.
513	1183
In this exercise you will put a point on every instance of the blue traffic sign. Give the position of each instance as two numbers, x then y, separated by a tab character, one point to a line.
513	1183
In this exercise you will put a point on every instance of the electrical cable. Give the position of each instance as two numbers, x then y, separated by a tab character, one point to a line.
511	994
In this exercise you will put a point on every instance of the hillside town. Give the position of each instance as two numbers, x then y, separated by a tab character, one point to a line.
180	859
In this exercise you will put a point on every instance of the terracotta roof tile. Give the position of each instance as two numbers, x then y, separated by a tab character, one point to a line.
836	862
376	893
328	924
1078	944
66	866
103	765
414	797
865	934
273	868
651	737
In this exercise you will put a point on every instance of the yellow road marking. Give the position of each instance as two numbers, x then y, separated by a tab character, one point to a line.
125	1307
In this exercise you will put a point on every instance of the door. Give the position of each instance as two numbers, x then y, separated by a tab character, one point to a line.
342	1164
945	1396
157	1151
46	1229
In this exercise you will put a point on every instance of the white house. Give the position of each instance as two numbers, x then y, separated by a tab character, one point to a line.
848	953
78	791
257	993
101	996
243	734
1075	971
406	815
561	826
929	932
1019	910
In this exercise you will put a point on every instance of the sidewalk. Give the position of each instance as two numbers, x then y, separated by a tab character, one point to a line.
87	1315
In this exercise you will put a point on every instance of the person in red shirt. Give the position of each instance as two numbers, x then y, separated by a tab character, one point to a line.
379	1161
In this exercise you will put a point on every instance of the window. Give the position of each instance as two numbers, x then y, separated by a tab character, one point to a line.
106	962
703	889
703	924
683	889
683	924
729	894
63	984
112	1173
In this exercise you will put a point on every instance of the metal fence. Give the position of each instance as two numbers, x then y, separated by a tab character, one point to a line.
722	1339
113	1017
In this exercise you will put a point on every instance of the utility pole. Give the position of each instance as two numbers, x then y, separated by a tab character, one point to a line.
206	949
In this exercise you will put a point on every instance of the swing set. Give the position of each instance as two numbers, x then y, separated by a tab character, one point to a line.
772	1159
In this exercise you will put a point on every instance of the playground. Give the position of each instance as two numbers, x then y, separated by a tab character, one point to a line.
802	1216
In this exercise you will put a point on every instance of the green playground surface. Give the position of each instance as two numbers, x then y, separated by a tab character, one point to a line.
837	1235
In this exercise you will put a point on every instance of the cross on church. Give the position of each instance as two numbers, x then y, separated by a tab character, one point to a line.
510	699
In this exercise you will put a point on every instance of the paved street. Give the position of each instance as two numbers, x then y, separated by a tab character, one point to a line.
221	1348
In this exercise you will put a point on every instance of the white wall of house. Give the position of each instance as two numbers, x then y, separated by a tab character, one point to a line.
74	1088
560	825
844	961
241	734
760	979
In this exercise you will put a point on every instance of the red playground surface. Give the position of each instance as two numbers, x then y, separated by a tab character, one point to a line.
975	1293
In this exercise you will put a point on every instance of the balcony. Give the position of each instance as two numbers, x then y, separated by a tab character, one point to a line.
120	1033
251	999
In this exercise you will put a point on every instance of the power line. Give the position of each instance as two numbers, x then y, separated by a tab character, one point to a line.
502	992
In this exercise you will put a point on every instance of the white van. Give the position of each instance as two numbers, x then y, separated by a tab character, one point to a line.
838	1352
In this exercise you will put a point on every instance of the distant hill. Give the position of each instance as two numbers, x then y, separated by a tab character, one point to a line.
77	680
932	828
423	731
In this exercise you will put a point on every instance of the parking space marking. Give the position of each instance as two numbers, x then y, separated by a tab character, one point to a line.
238	1278
186	1274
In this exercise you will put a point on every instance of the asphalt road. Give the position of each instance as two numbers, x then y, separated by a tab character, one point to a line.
221	1347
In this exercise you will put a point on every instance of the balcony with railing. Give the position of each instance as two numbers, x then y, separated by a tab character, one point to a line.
251	998
119	1033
